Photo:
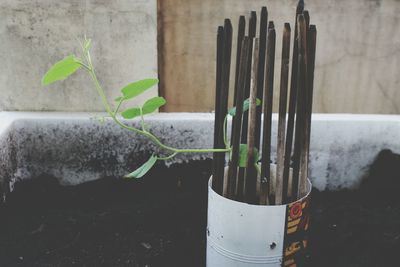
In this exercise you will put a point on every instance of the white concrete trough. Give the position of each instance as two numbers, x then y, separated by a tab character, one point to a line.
77	147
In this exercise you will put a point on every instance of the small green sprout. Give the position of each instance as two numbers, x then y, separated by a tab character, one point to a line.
69	65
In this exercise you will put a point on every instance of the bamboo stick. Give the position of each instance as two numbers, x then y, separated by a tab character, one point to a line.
251	172
311	46
300	143
304	171
240	36
266	181
261	70
252	33
282	113
217	182
225	74
287	187
236	134
306	15
304	156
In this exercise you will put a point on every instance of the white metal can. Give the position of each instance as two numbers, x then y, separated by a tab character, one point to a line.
245	235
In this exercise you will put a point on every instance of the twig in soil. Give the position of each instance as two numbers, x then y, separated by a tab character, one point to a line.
66	246
39	229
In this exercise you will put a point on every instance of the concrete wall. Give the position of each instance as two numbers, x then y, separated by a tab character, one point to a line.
35	34
358	51
357	56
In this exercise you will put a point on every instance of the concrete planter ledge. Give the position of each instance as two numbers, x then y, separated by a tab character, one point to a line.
77	147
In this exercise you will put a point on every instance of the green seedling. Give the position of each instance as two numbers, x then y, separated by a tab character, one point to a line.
69	65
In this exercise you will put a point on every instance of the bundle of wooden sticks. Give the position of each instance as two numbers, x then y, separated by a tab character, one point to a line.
259	181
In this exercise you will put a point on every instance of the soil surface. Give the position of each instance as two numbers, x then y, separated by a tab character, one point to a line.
160	220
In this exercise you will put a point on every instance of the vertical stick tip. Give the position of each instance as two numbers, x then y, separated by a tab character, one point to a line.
264	10
220	30
300	7
306	16
271	25
228	23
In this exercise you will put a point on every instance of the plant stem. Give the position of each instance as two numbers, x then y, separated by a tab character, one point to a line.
175	151
118	106
142	120
168	157
225	134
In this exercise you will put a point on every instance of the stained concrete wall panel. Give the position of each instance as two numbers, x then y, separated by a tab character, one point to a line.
358	51
35	34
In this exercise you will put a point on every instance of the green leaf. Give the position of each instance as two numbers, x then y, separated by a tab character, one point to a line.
243	155
246	106
61	70
131	113
142	170
149	107
153	104
243	150
136	88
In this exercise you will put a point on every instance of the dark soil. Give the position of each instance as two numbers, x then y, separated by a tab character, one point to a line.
360	228
160	220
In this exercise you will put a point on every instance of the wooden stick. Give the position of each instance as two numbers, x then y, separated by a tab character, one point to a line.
261	72
226	66
304	154
266	182
236	134
251	172
304	170
311	45
241	32
252	33
217	181
300	143
306	15
291	112
282	113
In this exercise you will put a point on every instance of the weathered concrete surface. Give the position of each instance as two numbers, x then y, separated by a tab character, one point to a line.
76	148
358	51
36	33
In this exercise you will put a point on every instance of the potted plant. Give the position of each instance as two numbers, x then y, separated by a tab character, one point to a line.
258	211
